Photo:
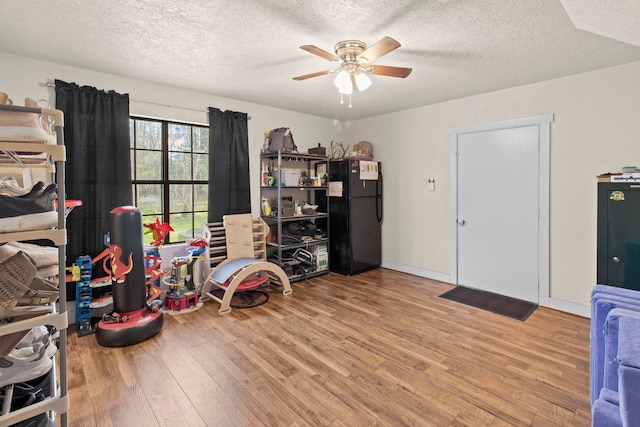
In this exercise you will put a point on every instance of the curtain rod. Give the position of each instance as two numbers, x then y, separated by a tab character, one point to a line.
205	110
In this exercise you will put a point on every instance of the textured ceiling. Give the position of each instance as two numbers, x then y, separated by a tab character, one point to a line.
618	19
249	50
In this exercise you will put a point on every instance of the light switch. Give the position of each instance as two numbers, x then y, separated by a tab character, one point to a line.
431	184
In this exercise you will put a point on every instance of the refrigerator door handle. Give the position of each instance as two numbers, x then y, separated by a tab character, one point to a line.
379	206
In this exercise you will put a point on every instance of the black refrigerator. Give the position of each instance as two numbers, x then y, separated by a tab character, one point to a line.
355	216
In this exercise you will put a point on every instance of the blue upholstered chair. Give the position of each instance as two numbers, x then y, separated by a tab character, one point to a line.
615	352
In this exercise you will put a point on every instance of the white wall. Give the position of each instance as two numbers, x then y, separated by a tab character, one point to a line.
596	130
23	77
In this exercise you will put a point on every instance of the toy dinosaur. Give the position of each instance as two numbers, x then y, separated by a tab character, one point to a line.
118	268
159	231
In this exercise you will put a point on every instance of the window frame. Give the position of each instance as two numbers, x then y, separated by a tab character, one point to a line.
165	181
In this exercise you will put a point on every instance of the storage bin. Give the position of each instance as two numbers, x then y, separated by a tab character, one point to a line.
290	177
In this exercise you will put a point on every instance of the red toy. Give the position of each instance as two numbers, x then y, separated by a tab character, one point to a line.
159	230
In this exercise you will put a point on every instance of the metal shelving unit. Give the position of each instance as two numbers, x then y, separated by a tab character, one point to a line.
279	165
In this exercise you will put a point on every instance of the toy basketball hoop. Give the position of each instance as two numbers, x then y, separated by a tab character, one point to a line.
69	205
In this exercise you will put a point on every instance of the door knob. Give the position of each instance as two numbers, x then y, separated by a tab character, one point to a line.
462	222
616	259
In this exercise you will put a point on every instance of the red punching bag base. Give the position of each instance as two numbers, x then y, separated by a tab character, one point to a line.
141	325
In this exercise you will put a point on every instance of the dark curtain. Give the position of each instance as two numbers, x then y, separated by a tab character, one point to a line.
229	186
98	168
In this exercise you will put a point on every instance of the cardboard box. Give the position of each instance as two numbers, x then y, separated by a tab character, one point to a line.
286	206
321	254
272	237
320	247
322	261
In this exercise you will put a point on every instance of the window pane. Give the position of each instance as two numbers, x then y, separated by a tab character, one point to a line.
181	197
148	135
198	219
182	224
131	134
201	167
201	197
149	197
133	164
180	166
148	165
200	140
179	137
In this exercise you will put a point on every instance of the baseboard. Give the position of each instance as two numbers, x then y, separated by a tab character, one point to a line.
569	307
553	303
421	272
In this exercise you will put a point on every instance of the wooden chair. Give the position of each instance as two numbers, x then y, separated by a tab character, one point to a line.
241	270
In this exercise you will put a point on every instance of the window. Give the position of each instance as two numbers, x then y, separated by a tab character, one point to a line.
170	169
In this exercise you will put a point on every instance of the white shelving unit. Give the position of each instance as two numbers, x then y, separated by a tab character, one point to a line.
53	161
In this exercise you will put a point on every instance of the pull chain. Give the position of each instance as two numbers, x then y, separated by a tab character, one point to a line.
342	100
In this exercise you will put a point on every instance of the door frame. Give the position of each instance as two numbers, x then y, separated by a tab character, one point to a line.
544	127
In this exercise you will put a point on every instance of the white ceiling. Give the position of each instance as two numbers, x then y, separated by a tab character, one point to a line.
249	49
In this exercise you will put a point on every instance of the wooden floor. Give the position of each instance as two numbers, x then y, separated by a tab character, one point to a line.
376	349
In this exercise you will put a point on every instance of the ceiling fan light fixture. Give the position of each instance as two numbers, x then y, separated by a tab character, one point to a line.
346	89
356	61
362	81
343	79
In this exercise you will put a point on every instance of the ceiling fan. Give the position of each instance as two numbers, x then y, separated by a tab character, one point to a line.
356	61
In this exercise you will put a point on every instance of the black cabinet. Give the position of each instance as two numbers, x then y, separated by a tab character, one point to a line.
618	261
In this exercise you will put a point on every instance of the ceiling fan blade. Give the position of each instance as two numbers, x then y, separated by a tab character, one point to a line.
319	52
384	70
308	76
381	47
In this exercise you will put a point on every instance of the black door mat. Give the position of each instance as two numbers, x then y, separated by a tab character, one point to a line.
495	303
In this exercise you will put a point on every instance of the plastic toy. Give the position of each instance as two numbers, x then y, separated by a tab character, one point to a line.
159	230
185	278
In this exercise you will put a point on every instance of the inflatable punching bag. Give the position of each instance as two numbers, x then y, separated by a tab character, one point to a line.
136	323
127	262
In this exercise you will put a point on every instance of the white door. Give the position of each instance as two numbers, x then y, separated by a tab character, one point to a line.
498	210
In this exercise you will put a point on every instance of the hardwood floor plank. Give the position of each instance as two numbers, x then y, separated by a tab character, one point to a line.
163	393
376	349
239	407
198	387
363	406
126	412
